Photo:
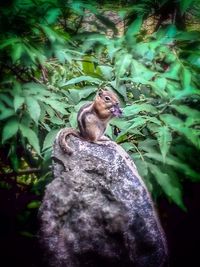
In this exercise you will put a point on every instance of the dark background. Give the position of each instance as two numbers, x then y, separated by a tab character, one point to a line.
19	249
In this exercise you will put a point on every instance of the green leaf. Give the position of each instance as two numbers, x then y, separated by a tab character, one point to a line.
9	41
36	89
46	126
79	94
134	28
169	185
14	159
173	72
172	121
52	15
73	119
193	135
56	105
185	4
112	50
159	87
132	127
186	93
123	64
188	36
127	146
49	110
185	110
109	132
154	120
34	204
18	101
164	139
105	71
81	79
137	108
121	124
171	31
158	91
88	65
6	99
62	56
56	120
78	7
148	145
6	113
30	54
161	83
137	122
43	115
10	129
190	121
154	128
142	167
176	163
186	78
17	52
49	139
142	50
33	108
173	88
31	136
53	35
121	90
2	106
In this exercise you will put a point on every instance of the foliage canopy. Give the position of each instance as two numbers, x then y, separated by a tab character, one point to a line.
50	66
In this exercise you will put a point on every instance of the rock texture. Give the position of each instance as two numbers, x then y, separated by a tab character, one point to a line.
97	211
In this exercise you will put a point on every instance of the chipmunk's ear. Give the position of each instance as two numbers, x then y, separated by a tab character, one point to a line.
100	92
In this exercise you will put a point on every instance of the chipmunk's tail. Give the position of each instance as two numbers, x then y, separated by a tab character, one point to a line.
62	139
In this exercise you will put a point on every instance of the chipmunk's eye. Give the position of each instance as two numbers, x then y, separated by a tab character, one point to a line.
107	98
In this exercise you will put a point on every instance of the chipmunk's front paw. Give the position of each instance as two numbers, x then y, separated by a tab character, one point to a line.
104	138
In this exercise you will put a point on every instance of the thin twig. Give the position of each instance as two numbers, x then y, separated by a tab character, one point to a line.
44	73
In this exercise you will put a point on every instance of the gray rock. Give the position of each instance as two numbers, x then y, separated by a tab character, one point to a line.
98	212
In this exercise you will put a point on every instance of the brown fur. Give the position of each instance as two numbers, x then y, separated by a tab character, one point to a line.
92	119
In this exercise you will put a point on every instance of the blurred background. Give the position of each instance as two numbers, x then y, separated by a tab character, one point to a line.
54	56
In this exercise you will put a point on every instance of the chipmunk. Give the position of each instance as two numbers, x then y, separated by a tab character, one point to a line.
93	119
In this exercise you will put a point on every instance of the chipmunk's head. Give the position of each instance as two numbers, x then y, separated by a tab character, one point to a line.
107	104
